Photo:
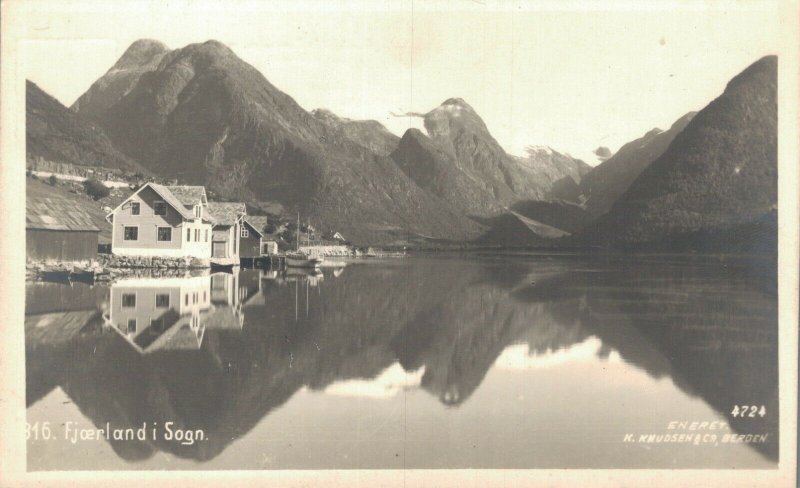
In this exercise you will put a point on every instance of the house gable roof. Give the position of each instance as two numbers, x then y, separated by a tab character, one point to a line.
257	223
179	337
189	197
168	194
56	213
226	213
223	317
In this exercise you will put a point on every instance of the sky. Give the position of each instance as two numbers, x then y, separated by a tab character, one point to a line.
546	73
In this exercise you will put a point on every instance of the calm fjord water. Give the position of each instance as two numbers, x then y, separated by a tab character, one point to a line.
497	362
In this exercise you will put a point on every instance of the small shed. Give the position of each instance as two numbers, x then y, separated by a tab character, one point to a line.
56	229
226	233
252	236
269	248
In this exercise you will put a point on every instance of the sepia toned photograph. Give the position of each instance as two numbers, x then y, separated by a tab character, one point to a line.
403	235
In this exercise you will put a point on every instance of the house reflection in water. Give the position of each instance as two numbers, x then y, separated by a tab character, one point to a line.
164	314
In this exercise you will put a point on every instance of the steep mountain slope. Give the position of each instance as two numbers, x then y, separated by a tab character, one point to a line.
369	133
436	170
566	189
204	116
604	184
719	173
459	161
55	133
141	57
560	172
552	167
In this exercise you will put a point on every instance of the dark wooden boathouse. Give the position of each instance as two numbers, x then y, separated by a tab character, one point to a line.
56	229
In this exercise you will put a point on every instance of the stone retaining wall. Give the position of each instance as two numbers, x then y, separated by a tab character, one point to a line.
106	265
113	261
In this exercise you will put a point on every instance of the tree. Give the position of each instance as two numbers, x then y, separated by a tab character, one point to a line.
52	180
96	189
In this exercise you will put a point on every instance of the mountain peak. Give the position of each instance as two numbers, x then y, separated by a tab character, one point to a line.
214	45
141	57
141	52
147	44
207	53
767	66
413	133
455	107
456	101
454	114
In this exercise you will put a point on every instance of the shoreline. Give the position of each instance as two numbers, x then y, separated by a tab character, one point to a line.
105	264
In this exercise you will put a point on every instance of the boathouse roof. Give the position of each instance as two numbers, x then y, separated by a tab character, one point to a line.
226	213
54	212
257	222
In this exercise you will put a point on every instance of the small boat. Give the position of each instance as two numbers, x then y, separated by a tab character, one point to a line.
300	274
224	263
66	275
333	263
301	260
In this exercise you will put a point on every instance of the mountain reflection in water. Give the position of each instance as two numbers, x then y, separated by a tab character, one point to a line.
532	361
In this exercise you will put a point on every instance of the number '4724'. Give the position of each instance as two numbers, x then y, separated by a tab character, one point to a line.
748	411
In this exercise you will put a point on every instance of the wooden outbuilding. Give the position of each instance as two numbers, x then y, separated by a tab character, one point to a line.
55	229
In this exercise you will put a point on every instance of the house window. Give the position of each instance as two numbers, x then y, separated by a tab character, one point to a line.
206	235
197	234
135	208
129	300
159	208
198	211
131	233
131	326
245	232
188	235
165	233
162	300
